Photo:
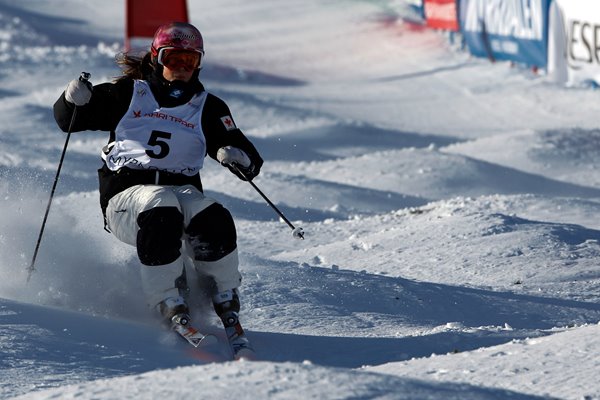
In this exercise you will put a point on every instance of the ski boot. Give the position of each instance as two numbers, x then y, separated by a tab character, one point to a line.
227	307
177	316
174	310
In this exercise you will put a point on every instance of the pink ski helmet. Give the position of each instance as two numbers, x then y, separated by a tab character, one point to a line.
177	35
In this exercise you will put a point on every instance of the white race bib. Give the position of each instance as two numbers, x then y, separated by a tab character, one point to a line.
149	137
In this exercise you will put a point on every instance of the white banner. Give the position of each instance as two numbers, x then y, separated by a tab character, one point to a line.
574	41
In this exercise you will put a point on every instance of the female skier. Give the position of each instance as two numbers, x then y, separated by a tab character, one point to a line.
162	124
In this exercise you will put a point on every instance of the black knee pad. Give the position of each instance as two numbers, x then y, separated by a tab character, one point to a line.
212	233
159	237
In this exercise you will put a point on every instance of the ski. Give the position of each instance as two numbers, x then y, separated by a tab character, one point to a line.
192	335
239	343
245	353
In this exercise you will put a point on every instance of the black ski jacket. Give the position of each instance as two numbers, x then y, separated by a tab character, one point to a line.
110	102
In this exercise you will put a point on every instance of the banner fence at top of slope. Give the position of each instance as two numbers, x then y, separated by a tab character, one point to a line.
574	41
441	14
513	30
562	36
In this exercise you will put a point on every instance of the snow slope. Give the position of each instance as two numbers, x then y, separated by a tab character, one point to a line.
449	207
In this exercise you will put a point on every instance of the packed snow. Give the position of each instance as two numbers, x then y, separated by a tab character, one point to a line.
449	206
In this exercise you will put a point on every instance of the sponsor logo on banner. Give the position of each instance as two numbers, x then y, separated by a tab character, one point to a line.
521	19
583	43
514	30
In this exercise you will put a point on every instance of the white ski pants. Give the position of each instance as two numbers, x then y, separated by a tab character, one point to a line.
158	281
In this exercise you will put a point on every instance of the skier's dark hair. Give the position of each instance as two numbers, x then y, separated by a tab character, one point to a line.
135	66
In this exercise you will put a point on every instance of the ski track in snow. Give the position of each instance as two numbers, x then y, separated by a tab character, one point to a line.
450	210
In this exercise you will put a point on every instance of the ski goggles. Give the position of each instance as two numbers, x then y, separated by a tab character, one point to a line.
174	58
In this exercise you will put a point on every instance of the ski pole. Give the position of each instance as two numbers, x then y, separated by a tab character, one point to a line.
84	77
298	233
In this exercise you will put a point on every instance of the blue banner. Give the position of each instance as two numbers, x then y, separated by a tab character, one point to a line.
514	30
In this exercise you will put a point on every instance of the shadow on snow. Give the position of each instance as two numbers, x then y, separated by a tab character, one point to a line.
425	317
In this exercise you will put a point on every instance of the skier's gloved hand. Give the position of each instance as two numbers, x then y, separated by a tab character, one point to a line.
234	159
78	92
229	155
